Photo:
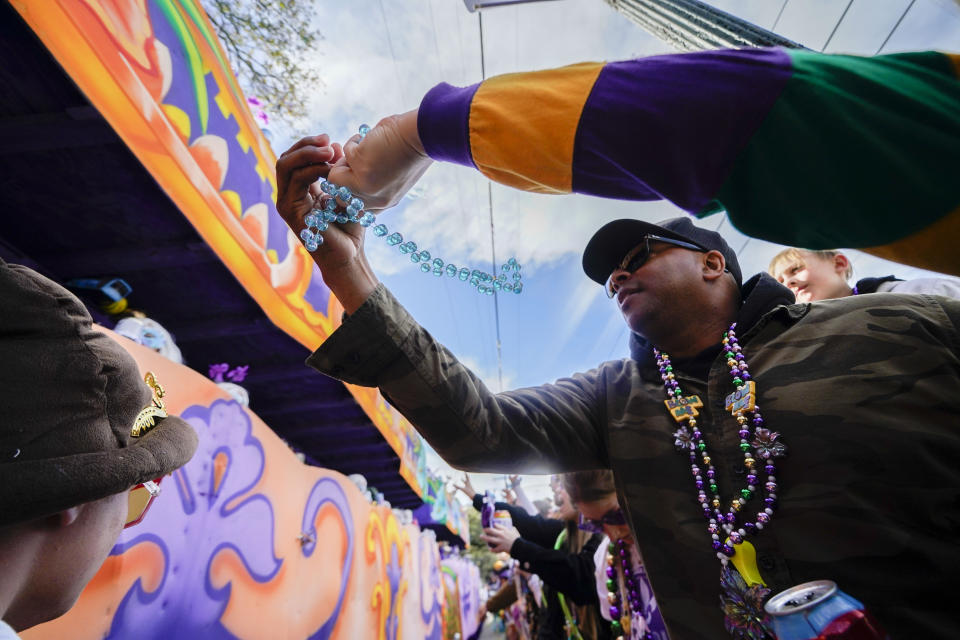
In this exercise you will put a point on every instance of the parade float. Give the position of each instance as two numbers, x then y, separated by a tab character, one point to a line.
138	161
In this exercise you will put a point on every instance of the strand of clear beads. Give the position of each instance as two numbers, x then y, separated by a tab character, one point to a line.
322	216
485	282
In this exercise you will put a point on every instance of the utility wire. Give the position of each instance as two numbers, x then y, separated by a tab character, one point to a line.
493	245
836	26
393	55
779	15
890	35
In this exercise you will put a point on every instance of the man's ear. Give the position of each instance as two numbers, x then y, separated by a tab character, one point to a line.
54	521
64	518
713	265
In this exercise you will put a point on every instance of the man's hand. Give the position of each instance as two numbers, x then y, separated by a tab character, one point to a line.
466	487
482	613
380	168
500	538
340	258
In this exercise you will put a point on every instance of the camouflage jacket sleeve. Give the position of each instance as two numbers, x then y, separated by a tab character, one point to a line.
554	427
951	307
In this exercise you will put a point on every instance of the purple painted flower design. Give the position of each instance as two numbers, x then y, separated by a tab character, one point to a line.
206	508
328	491
394	573
683	439
431	590
766	445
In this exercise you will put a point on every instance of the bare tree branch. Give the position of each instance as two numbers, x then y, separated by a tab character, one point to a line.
268	42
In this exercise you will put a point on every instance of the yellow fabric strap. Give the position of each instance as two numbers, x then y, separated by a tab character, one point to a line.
523	126
926	248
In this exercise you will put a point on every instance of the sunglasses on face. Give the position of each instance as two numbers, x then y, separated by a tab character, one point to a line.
639	255
614	518
139	500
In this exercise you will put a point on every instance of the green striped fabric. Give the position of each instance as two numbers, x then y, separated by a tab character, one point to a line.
896	172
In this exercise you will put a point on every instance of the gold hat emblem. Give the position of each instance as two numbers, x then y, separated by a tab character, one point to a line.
146	419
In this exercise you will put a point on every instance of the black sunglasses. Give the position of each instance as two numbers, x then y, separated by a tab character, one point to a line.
639	255
614	517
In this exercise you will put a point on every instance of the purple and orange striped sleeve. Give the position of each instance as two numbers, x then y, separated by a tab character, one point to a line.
800	148
659	127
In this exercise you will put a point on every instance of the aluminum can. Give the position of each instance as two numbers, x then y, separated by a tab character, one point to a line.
820	611
501	518
486	512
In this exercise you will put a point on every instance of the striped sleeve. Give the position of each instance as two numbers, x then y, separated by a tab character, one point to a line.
800	148
658	127
857	152
517	129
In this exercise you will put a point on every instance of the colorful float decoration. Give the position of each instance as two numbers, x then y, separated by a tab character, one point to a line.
158	74
245	541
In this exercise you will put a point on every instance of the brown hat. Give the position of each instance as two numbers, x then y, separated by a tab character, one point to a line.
69	399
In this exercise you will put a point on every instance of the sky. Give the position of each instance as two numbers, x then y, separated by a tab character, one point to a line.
379	57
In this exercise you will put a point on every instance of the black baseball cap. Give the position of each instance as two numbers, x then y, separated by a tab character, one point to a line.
613	240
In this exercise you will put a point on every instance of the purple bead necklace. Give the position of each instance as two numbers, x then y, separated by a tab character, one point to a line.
760	443
617	613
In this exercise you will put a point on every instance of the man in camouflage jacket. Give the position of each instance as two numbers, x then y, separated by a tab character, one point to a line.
865	392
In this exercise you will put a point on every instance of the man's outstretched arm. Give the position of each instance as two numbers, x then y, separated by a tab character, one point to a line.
801	148
550	428
558	427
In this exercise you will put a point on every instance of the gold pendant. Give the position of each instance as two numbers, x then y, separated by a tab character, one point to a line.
743	399
683	408
146	419
745	560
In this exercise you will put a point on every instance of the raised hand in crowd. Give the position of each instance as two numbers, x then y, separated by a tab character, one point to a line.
466	487
500	539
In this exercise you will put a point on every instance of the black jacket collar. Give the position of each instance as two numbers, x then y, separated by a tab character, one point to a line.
870	285
761	294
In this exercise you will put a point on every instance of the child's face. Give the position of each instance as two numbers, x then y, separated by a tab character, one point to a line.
814	278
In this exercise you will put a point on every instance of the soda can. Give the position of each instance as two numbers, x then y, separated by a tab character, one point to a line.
501	518
486	512
820	611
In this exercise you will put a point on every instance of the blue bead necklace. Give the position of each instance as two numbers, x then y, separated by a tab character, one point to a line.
352	211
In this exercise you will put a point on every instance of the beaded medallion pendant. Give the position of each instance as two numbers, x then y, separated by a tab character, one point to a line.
340	206
727	539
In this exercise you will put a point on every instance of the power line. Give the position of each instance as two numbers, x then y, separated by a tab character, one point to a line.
836	26
896	26
496	294
780	15
493	244
393	55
